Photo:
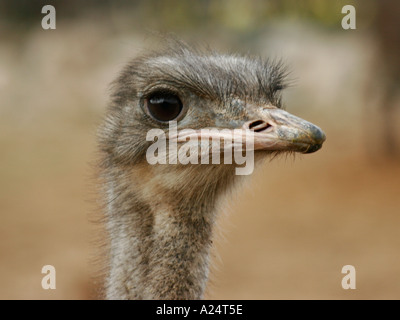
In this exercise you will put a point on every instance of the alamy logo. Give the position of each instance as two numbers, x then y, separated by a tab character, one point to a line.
349	20
49	280
198	146
49	20
349	280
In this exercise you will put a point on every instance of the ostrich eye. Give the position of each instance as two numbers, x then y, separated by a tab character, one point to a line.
163	106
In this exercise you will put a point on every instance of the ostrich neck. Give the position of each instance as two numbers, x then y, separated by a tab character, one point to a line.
160	238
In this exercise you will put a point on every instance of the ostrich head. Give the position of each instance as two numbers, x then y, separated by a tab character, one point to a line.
160	216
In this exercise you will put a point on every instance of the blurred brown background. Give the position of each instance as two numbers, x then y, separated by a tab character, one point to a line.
296	223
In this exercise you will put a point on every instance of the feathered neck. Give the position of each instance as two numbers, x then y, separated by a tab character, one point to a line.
160	223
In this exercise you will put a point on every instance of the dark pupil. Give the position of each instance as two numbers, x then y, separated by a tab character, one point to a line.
164	107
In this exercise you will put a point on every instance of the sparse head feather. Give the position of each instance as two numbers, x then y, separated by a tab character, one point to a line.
205	73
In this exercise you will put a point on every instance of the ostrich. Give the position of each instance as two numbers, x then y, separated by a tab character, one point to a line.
160	218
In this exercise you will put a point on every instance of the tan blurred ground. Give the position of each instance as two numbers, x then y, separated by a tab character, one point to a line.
289	231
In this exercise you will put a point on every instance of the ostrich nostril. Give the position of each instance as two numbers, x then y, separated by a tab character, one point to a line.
258	125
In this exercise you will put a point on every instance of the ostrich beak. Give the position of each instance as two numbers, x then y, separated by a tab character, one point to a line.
276	130
279	130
